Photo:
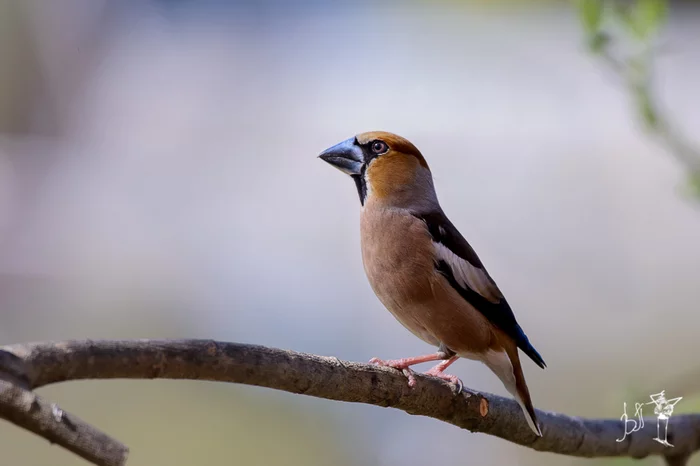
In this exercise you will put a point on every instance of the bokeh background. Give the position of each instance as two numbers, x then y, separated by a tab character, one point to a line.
158	178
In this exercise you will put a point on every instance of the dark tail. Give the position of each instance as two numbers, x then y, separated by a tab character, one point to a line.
524	344
521	392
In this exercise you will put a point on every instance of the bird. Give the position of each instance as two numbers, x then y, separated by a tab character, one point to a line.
425	272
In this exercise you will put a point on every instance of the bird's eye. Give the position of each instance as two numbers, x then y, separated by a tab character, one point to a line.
379	147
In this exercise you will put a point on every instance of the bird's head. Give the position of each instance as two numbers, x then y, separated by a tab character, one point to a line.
387	169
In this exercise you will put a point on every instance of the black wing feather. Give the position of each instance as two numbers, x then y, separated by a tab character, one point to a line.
499	313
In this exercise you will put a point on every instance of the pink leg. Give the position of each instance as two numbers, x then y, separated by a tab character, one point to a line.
438	371
404	364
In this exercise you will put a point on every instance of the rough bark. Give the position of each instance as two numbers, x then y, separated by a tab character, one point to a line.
29	366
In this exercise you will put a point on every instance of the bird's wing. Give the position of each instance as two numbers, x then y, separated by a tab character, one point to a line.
462	268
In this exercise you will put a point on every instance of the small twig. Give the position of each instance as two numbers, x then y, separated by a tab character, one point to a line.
25	409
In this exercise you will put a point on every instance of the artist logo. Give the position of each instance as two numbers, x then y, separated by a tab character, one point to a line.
663	409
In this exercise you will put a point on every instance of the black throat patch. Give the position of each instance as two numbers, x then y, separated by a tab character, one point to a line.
361	184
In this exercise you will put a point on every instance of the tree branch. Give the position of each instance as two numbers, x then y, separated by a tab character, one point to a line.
330	378
27	410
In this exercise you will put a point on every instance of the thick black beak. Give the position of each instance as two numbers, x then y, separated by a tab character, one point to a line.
345	156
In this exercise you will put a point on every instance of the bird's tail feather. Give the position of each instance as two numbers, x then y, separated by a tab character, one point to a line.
525	345
529	411
506	365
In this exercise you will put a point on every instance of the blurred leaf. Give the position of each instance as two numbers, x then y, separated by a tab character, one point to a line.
591	13
648	16
598	42
623	13
646	107
694	185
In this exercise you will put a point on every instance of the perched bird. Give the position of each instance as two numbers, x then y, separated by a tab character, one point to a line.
424	272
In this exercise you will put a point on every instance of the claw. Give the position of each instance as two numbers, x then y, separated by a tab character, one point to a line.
434	372
439	372
397	364
410	375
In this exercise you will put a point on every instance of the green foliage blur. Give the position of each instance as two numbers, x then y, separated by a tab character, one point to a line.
625	36
639	23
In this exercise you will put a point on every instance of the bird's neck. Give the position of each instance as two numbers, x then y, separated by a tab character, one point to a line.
418	196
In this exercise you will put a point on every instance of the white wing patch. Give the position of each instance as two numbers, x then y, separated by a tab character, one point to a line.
467	275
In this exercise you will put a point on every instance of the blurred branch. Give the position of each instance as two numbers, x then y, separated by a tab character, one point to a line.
25	409
40	364
634	27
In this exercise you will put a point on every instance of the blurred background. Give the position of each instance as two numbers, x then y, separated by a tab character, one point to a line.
158	179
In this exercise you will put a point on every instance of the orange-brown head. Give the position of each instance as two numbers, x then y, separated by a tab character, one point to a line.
387	169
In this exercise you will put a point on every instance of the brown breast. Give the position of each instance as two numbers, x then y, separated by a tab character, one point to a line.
398	257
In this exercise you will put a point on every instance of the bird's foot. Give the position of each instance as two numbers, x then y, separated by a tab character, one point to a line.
437	371
400	364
